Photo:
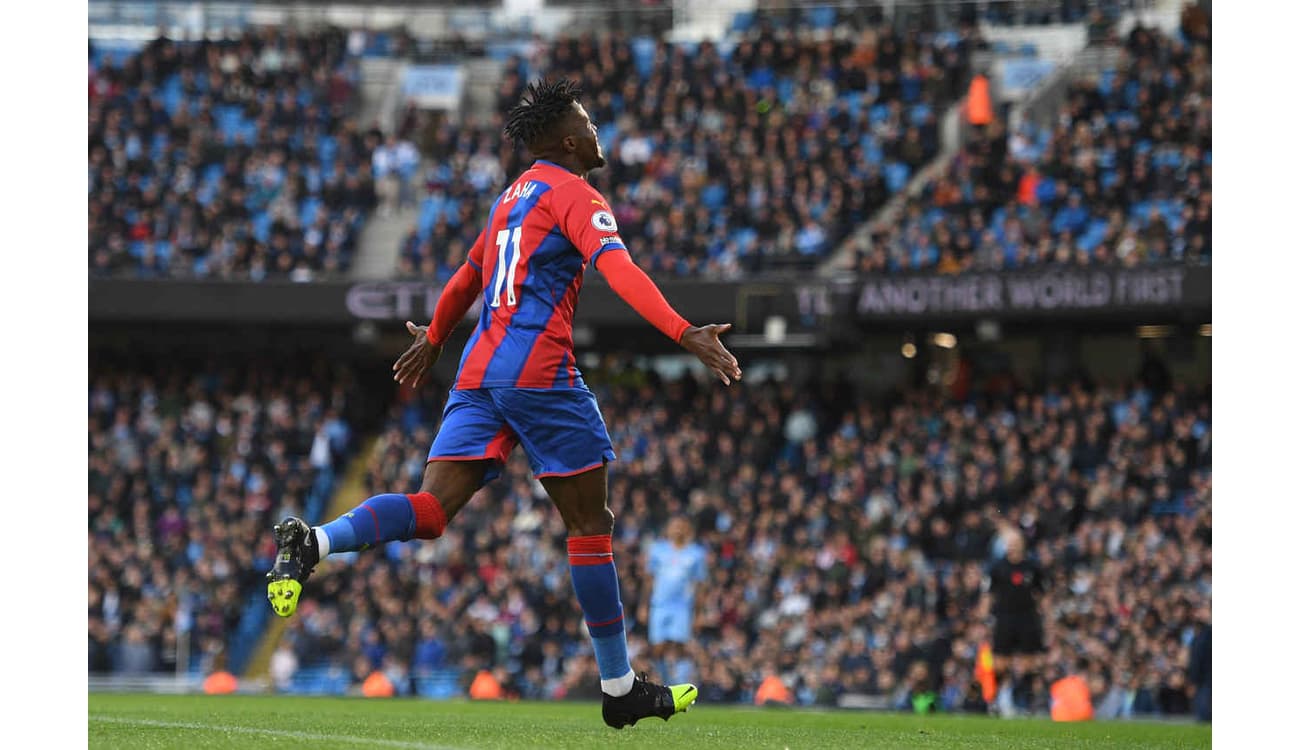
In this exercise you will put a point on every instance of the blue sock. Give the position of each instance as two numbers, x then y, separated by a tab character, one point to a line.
382	518
595	581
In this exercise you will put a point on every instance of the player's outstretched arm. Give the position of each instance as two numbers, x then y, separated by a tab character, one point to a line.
638	290
414	364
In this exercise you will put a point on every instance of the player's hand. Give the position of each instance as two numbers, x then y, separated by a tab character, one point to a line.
412	368
703	342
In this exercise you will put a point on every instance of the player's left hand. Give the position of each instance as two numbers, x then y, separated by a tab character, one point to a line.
412	368
703	342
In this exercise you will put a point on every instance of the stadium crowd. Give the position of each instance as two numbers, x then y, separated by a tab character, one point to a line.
722	160
849	541
188	466
1122	177
232	159
239	158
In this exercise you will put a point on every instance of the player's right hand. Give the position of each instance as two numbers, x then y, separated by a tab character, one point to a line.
703	342
412	368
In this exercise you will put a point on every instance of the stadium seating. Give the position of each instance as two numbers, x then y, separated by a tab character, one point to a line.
188	466
226	159
1123	177
848	540
723	159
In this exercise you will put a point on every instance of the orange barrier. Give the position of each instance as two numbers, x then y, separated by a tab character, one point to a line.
377	685
1071	700
485	687
220	683
772	690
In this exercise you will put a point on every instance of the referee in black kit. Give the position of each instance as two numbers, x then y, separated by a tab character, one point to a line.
1015	584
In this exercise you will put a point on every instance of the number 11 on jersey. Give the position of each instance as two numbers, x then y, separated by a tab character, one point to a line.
507	244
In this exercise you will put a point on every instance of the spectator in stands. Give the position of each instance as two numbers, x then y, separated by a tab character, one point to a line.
183	469
1102	185
229	159
284	663
805	577
839	125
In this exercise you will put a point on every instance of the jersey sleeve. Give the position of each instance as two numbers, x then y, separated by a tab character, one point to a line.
586	220
475	256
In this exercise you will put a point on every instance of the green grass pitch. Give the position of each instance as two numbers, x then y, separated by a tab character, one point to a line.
202	722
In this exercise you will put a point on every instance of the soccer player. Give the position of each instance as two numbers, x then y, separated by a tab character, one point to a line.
676	564
518	383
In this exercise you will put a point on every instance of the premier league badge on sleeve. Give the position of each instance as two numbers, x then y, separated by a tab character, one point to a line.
604	221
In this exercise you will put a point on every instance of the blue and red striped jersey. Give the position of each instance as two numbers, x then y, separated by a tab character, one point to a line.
541	234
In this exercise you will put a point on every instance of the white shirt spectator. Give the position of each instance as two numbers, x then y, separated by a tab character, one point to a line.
384	160
284	664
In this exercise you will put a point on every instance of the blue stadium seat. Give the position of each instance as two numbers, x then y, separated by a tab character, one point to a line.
946	38
819	17
745	238
713	195
379	44
872	151
308	209
761	77
158	145
896	175
172	94
1046	191
440	685
212	173
261	222
1106	83
643	55
327	148
785	90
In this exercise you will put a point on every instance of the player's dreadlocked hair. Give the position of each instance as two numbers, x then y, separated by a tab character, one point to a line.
543	104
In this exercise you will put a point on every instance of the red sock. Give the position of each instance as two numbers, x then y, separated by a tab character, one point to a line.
430	518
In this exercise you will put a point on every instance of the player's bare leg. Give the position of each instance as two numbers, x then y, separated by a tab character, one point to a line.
453	483
582	502
447	487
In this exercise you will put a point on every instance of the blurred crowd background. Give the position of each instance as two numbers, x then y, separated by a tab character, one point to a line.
849	528
848	538
244	158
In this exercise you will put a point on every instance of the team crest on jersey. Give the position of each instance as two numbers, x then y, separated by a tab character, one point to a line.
604	221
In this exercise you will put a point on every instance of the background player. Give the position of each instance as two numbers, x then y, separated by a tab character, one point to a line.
518	383
677	564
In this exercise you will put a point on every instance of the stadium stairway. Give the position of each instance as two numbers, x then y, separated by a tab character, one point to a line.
860	238
380	242
348	493
380	94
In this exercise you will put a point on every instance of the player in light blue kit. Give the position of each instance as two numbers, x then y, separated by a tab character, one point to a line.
676	565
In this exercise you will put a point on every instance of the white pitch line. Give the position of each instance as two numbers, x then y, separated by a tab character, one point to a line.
374	742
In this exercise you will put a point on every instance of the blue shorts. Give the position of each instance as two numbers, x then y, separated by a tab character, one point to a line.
561	430
669	622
